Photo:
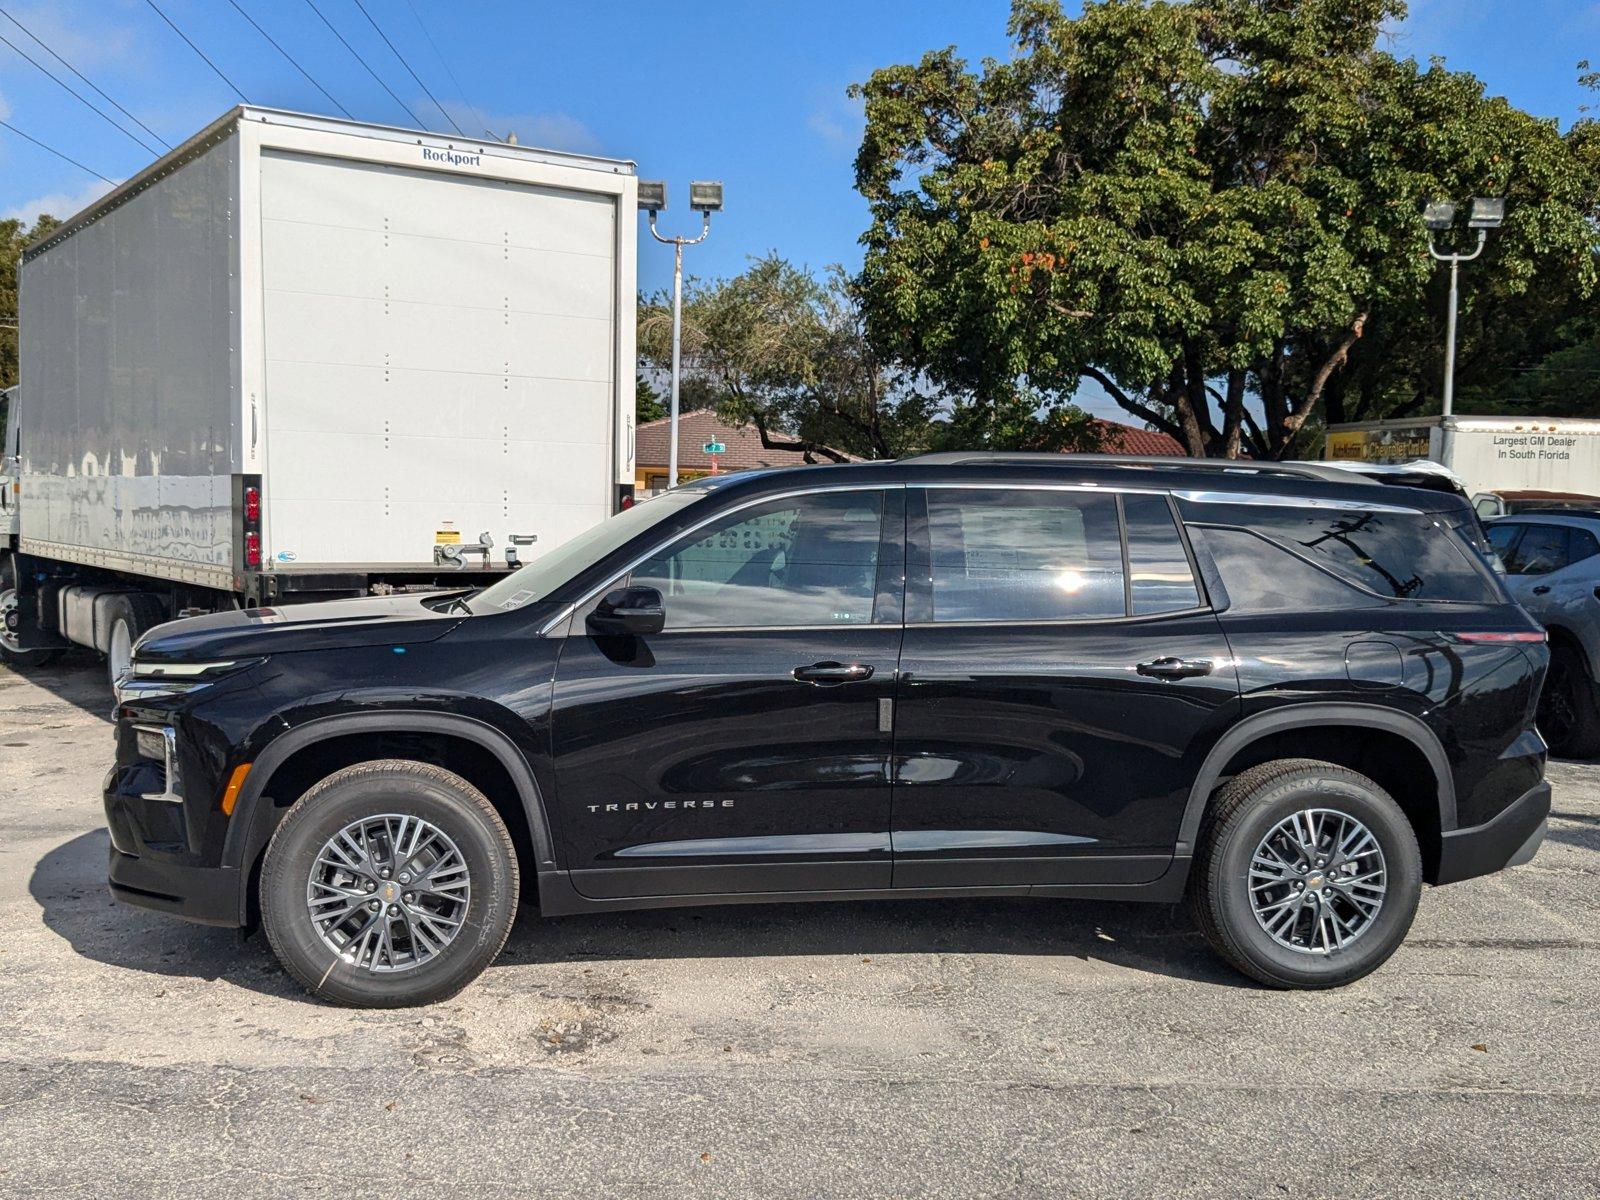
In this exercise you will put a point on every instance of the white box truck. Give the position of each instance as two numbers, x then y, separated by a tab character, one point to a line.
1506	463
302	358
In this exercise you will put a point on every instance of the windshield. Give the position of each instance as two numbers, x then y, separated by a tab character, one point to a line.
548	572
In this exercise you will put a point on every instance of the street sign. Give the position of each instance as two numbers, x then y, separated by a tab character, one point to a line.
713	448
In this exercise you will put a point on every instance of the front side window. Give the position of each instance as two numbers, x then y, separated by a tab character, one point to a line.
1543	549
1024	555
808	560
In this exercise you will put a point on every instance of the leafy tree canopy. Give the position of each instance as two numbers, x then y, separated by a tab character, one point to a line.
1194	203
14	239
777	348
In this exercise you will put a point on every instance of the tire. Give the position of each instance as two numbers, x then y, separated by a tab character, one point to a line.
131	616
1569	710
10	654
403	790
1246	812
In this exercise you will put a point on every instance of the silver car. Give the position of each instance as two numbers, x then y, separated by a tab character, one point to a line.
1552	562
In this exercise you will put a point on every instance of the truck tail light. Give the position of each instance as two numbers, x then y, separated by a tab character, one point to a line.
252	549
252	504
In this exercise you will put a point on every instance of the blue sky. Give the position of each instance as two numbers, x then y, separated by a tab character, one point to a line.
748	91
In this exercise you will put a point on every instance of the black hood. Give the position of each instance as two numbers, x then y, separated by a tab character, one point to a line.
328	625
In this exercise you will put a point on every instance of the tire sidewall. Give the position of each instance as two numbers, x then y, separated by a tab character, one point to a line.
328	809
1230	886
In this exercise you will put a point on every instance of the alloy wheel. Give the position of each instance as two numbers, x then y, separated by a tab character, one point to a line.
8	606
1317	881
388	893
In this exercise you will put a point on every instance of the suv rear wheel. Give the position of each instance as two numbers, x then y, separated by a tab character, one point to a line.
389	883
1569	709
1308	874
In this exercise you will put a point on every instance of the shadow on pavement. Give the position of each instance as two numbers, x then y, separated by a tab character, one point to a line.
78	677
69	885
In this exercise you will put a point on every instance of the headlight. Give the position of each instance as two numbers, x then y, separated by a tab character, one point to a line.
151	680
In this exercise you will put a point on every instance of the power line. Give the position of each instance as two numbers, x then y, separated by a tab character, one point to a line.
86	79
57	153
363	62
77	95
393	50
292	61
200	52
443	62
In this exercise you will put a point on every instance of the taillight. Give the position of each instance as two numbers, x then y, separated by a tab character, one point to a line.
1496	637
252	549
252	504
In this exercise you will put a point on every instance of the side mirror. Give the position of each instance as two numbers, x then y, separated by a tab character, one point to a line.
629	610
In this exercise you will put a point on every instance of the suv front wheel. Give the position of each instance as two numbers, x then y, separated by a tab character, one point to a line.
1308	874
389	883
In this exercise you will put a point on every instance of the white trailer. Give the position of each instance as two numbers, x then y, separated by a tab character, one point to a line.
304	357
1502	461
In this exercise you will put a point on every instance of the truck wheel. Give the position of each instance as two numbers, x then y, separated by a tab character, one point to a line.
1569	711
388	884
131	616
1307	875
11	653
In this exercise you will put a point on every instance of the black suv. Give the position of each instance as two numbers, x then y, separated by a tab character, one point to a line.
1289	695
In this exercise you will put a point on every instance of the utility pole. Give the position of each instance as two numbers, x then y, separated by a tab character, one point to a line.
705	197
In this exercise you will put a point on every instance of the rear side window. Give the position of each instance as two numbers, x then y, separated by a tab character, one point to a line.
1407	555
1159	576
1581	546
1024	555
1502	538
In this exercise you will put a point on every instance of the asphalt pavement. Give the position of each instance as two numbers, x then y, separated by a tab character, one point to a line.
962	1048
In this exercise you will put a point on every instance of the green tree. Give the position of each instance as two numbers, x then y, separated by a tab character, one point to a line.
14	239
1195	204
647	402
778	349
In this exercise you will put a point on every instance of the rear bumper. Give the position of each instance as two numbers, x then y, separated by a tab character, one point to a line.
1509	840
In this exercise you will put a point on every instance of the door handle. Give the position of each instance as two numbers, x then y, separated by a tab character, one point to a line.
825	674
1175	668
1541	589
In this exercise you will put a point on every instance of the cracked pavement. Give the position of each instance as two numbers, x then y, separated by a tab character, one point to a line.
962	1048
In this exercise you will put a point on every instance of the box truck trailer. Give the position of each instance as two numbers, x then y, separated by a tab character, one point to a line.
1505	463
301	358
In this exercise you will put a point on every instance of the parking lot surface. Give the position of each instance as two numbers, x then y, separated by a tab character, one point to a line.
961	1048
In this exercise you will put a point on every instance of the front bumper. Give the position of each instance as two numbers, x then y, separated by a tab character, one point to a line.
206	895
1509	840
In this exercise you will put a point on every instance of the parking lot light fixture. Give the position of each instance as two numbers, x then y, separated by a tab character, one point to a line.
1439	216
705	198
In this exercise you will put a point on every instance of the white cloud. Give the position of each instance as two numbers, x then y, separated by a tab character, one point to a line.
838	120
57	204
546	131
83	43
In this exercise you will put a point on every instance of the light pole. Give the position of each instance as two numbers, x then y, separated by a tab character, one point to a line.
705	198
1438	216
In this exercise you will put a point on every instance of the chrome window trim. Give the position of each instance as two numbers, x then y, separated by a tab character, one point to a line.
1267	500
1002	486
567	610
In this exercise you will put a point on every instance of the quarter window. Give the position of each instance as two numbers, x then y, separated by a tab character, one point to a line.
1024	555
1393	554
809	560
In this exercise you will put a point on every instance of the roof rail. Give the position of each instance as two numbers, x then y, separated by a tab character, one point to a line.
1217	466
